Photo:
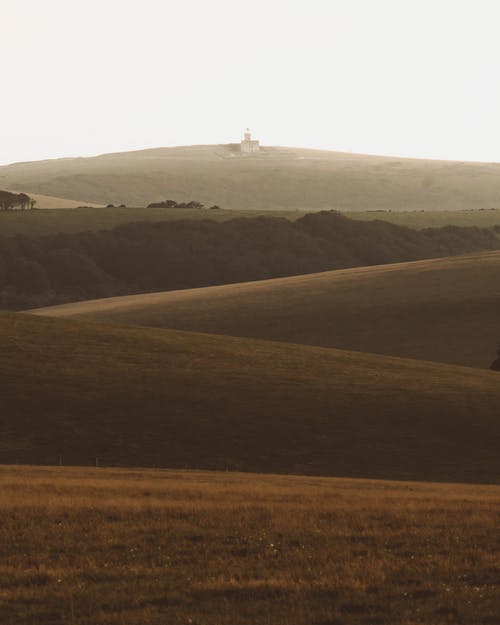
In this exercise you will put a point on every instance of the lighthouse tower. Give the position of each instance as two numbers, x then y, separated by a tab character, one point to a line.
249	145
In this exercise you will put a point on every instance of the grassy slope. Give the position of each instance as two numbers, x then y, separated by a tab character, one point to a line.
445	310
140	396
47	202
187	547
278	178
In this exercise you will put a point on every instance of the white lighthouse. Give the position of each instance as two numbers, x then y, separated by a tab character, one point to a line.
249	145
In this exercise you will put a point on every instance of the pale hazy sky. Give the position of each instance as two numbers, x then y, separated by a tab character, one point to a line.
408	77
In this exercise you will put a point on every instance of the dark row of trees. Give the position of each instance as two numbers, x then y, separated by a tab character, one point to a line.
9	201
146	256
174	204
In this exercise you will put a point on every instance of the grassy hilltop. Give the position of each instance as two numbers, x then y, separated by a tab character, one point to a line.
139	396
277	178
444	310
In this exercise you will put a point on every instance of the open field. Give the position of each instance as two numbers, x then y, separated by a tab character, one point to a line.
432	218
45	222
149	397
277	178
201	548
444	310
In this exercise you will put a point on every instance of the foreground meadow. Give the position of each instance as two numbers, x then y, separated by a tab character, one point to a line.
115	546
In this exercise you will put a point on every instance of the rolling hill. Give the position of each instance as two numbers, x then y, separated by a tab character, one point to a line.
443	310
75	391
276	178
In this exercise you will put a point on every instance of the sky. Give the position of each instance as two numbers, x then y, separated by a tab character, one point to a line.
399	77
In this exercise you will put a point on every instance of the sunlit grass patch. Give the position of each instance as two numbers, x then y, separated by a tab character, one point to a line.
110	546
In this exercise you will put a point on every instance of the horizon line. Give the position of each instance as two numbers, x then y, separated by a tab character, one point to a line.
285	147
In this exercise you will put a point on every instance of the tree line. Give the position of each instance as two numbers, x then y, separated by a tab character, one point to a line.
9	201
175	204
146	256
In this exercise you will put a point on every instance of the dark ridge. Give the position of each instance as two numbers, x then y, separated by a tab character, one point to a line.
144	256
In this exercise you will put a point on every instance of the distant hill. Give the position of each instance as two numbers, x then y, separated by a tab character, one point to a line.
143	397
443	310
276	178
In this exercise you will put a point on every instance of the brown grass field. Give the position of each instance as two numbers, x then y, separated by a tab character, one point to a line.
444	310
278	178
129	547
150	397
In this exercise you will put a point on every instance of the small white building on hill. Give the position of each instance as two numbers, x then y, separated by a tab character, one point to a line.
249	145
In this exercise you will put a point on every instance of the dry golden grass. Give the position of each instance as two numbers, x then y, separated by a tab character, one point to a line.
137	547
444	310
